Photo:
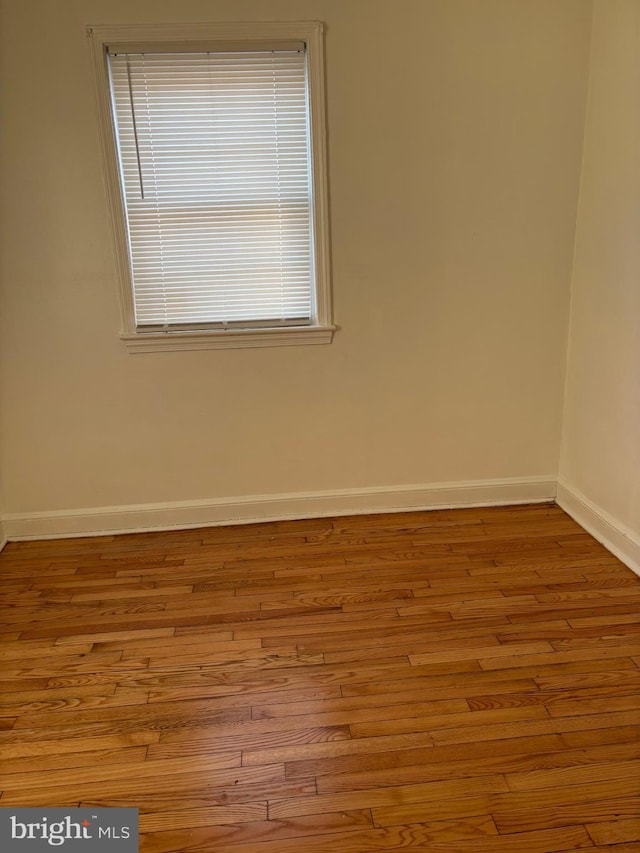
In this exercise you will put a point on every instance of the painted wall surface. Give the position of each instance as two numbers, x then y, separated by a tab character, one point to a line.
455	134
601	440
2	530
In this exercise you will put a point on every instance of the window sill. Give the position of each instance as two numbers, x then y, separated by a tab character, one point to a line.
228	338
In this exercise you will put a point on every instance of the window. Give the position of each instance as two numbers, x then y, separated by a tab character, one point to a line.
215	164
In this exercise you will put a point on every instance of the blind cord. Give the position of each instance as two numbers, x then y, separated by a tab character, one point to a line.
135	128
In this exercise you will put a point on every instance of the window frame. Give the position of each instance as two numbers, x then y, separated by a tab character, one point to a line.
321	329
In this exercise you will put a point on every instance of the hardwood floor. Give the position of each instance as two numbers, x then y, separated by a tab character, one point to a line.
452	681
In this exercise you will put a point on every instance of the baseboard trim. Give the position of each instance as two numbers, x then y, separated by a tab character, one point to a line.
101	521
615	536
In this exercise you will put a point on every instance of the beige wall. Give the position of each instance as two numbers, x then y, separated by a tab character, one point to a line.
455	134
601	441
2	530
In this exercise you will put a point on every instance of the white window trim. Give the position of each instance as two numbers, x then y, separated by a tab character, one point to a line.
310	32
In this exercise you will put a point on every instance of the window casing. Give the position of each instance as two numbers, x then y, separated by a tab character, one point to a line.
214	152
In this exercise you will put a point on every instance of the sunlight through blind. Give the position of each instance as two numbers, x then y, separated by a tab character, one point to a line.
214	158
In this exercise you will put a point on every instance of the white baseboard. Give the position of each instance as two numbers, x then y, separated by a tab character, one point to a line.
616	537
102	521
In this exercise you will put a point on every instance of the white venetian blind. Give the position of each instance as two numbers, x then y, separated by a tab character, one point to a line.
214	156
